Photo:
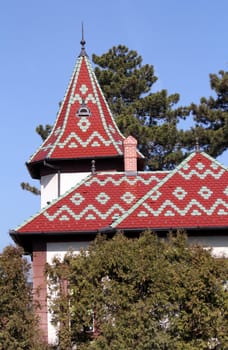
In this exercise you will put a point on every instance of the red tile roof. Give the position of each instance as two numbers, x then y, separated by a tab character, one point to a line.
93	204
193	195
84	127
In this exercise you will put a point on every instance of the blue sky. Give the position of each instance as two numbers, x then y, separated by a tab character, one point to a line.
185	40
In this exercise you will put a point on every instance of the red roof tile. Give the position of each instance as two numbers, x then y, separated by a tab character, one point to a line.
194	195
93	204
84	127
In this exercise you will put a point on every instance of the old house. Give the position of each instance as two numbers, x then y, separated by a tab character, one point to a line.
92	181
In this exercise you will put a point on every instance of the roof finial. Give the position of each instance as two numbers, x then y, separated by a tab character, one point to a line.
82	42
197	144
93	167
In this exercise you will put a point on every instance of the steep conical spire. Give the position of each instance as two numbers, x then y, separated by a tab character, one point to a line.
84	129
83	42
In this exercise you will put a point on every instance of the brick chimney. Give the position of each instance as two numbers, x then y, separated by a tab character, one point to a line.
130	155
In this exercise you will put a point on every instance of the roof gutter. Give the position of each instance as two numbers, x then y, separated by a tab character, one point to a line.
165	229
18	235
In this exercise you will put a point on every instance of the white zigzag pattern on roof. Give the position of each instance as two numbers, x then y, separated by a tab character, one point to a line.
184	211
74	98
96	89
48	146
84	143
201	176
130	181
57	131
66	116
78	98
90	207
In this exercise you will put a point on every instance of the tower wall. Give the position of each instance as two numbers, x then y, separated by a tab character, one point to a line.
49	185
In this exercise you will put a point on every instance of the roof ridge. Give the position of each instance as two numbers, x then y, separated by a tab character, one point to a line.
92	75
140	201
74	81
84	126
160	184
214	160
78	60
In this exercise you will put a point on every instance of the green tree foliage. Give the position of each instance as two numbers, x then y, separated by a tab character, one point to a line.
148	116
43	131
18	323
26	186
142	294
153	117
211	118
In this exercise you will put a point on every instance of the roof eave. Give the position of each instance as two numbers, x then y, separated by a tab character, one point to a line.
189	229
109	229
34	167
24	239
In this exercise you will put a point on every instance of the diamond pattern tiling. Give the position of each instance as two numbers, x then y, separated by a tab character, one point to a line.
96	203
205	192
189	196
199	200
93	136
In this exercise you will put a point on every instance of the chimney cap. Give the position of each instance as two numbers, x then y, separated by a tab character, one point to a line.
130	140
130	156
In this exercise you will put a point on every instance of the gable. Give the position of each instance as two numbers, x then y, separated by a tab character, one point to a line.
194	195
94	204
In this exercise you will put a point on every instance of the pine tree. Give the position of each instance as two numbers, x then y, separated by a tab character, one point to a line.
43	131
18	323
153	117
148	116
211	118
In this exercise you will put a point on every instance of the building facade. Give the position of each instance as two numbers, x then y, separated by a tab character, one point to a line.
92	181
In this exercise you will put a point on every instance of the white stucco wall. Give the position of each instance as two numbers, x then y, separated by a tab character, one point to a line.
219	244
59	250
49	185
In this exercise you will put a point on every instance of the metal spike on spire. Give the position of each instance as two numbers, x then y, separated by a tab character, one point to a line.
197	144
93	167
82	42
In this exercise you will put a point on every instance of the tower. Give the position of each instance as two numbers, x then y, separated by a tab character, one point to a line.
84	140
84	135
91	182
